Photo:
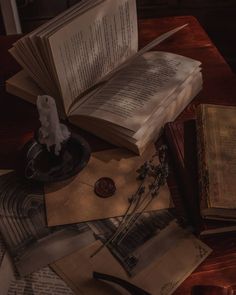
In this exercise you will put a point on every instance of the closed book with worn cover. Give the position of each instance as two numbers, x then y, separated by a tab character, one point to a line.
182	142
216	141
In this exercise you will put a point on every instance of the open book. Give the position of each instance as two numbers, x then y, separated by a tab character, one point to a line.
87	58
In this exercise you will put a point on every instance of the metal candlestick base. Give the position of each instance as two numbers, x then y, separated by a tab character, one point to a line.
39	164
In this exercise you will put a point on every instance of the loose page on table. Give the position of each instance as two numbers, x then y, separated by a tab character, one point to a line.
6	267
216	133
92	45
161	277
42	282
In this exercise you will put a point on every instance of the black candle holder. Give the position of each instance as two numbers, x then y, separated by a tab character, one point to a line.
40	164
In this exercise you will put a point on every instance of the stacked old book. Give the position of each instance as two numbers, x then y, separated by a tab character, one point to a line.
204	154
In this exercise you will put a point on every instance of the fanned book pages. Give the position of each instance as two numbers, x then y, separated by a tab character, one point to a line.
87	58
216	134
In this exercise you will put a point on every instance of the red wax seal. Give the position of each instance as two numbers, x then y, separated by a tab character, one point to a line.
104	187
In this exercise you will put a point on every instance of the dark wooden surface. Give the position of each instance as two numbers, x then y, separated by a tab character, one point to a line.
218	18
18	120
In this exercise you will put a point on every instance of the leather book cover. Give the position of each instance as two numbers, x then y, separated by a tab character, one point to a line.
216	133
182	142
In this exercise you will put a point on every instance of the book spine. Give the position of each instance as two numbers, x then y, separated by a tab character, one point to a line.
175	152
181	140
202	161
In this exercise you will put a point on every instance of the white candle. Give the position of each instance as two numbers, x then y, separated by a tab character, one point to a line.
52	132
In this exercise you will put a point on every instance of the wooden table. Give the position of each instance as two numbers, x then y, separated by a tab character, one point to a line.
18	120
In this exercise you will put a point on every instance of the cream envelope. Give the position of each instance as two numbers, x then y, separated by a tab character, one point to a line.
77	202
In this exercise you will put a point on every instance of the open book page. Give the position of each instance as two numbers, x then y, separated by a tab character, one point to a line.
150	131
131	97
145	49
63	19
195	79
171	112
58	19
39	40
166	112
92	45
29	53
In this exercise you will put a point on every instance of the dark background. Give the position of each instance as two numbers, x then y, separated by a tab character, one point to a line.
218	17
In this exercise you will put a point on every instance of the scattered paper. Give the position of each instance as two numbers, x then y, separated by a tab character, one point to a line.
161	278
44	281
30	242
